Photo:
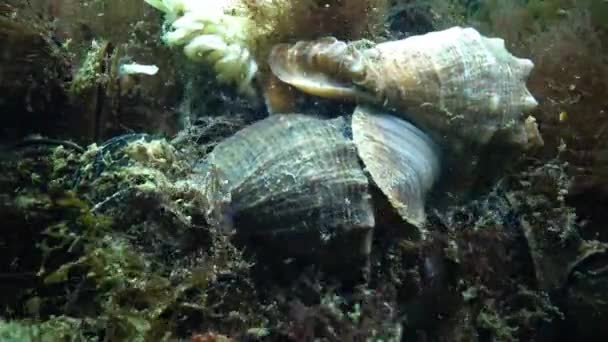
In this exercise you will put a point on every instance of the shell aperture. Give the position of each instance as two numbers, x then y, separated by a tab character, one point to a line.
325	67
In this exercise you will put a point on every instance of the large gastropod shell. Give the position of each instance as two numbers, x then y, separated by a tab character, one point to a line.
466	91
455	84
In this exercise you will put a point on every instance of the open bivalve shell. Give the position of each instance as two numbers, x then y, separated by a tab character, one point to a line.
402	161
305	181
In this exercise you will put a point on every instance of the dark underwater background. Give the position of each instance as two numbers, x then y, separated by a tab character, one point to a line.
99	241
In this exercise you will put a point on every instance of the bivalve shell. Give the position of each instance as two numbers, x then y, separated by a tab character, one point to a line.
295	178
402	161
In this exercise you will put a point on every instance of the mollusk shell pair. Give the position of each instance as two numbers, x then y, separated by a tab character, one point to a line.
459	87
301	179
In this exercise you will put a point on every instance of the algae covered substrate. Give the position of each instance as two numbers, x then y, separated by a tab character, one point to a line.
118	223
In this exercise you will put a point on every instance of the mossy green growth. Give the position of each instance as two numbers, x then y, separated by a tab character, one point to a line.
501	331
90	74
52	330
132	264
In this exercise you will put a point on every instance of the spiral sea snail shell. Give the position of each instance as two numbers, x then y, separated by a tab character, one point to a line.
465	91
454	84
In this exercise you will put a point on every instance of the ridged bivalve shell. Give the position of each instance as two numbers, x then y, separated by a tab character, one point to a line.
402	161
295	178
455	84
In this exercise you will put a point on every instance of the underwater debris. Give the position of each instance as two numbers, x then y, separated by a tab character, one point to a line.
135	69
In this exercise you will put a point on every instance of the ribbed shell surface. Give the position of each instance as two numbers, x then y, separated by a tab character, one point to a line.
403	162
290	174
455	81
